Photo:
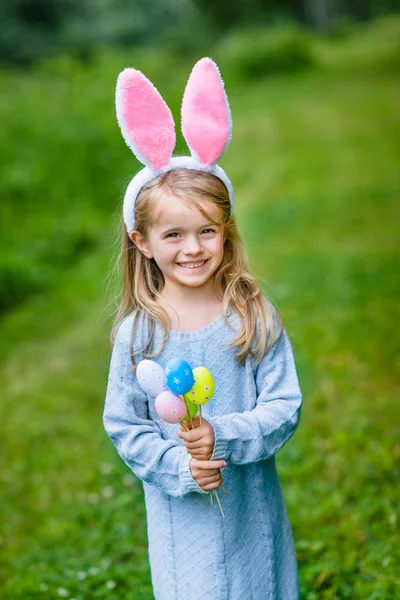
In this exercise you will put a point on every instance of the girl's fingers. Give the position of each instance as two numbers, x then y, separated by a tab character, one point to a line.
191	436
210	478
193	445
207	465
200	457
210	486
210	473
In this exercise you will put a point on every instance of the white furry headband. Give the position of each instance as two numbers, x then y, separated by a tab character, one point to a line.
148	128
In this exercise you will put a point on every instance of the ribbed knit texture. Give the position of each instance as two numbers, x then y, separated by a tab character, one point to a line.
194	553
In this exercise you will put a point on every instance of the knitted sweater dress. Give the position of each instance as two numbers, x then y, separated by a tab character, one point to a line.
195	553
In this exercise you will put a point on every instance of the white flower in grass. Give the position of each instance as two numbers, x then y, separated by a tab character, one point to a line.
110	584
106	468
43	587
107	492
63	592
128	480
94	571
81	575
105	563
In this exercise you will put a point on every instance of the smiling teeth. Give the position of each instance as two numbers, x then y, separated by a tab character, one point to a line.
192	265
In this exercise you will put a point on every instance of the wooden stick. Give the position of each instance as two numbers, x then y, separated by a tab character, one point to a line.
190	419
221	486
220	507
212	498
201	415
188	412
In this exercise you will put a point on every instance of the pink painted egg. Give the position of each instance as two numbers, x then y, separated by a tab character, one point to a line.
170	408
151	377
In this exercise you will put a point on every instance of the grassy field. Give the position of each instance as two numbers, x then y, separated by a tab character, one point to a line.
314	161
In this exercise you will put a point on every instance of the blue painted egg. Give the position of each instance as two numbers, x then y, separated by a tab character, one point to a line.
179	376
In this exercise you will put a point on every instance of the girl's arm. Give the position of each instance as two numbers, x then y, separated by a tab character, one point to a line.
138	440
258	434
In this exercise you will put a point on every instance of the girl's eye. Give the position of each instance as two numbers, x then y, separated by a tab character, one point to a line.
174	234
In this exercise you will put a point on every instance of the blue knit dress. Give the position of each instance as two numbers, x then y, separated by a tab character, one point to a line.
195	553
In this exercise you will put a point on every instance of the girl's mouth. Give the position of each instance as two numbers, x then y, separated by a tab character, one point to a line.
193	266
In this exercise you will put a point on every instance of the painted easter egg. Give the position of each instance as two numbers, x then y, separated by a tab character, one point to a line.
151	377
170	407
203	387
192	408
179	376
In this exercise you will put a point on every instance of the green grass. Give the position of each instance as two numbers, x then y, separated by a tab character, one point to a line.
314	161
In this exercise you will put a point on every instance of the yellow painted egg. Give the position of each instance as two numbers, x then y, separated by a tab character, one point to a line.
203	387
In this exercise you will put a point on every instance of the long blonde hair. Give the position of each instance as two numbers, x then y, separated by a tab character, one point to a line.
235	285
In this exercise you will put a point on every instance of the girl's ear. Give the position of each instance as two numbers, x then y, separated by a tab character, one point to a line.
140	242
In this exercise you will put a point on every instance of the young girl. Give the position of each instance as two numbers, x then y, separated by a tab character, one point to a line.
188	293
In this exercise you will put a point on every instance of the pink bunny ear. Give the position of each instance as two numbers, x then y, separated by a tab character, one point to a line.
206	117
145	119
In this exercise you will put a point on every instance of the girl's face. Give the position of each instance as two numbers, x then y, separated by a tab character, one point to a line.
187	246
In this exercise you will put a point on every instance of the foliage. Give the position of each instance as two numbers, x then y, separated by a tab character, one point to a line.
314	163
363	46
224	16
253	53
37	29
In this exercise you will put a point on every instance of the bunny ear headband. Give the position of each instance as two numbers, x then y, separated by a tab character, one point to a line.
148	128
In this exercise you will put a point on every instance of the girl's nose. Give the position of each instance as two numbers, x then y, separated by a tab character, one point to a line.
193	246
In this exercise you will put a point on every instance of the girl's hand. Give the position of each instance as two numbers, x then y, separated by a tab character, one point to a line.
199	442
207	473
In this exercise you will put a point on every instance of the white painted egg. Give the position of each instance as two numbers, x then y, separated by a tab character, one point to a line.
151	377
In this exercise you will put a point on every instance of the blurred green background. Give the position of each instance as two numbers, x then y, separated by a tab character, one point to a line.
314	92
